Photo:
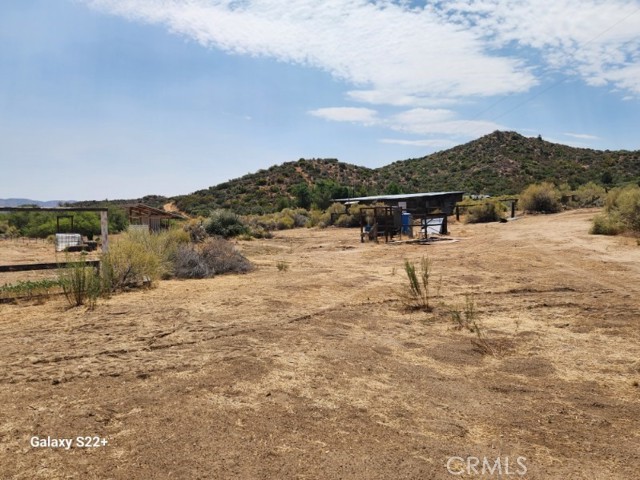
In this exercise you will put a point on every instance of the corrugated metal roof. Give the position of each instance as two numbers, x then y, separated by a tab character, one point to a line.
400	196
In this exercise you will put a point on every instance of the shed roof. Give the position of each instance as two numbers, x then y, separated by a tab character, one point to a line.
142	210
400	196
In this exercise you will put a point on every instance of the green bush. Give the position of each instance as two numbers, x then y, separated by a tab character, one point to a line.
225	223
492	211
541	197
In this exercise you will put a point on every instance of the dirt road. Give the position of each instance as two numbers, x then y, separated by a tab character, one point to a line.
318	372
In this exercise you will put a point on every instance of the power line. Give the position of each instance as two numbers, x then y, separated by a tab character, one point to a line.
553	85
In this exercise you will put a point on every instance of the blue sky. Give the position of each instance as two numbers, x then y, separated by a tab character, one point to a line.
122	98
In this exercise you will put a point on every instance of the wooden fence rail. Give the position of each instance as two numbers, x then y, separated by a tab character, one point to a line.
26	267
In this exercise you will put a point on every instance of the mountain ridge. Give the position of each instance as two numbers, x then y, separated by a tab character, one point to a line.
503	162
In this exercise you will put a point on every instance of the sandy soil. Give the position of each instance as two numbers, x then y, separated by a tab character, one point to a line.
318	372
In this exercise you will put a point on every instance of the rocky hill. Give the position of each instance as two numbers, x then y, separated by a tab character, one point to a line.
506	162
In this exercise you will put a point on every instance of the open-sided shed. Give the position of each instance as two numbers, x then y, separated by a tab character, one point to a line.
402	212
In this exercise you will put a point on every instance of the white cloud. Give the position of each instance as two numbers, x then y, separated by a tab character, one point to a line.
365	116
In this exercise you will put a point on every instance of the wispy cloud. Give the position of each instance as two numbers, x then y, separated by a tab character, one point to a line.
596	40
581	136
417	121
435	143
379	47
364	116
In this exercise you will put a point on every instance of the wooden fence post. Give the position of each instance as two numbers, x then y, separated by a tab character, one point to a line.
104	231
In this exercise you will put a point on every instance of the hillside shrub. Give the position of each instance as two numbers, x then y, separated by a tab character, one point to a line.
621	212
224	223
492	211
541	197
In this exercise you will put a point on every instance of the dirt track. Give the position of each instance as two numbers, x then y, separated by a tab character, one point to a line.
318	371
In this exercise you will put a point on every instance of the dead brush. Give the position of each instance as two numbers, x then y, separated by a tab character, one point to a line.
466	318
282	266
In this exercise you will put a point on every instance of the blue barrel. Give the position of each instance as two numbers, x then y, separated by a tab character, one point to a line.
406	223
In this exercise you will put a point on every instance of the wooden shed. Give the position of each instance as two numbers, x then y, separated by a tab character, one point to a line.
153	218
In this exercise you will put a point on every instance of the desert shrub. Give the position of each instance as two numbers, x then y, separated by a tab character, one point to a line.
318	218
486	212
604	224
225	223
139	257
286	219
8	231
589	195
215	256
190	263
196	231
621	212
467	318
540	197
221	256
81	284
417	294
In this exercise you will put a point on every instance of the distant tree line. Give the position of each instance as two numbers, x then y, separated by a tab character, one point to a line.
36	224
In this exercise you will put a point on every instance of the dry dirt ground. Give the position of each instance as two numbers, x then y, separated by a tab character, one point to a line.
317	372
